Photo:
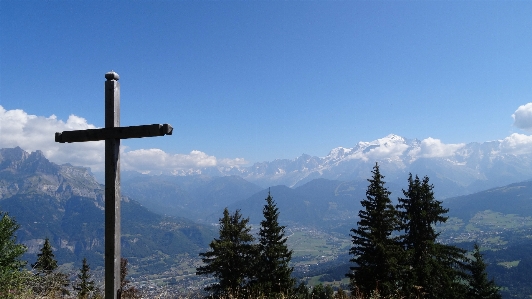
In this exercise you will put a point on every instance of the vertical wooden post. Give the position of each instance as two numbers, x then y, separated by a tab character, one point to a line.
112	189
112	133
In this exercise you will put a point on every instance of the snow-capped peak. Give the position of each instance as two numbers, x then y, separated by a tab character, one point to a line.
392	138
339	152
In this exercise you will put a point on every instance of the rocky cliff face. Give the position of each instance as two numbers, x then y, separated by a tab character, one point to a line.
31	173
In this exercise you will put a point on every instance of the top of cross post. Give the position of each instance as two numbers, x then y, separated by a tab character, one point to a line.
112	76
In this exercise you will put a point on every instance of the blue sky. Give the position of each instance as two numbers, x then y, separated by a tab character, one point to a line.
263	80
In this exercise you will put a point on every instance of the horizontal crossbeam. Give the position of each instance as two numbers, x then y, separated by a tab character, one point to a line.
114	133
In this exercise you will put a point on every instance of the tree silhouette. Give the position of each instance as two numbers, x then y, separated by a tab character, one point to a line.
49	282
480	287
273	270
376	252
86	286
435	269
46	262
231	257
11	276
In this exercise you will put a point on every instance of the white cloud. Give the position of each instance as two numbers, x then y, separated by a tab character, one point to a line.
31	133
434	148
383	148
157	161
523	117
149	160
387	150
232	162
517	144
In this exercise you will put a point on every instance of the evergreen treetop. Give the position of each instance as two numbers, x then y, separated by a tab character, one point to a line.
480	287
10	251
50	283
231	257
46	262
273	270
435	269
85	287
375	250
419	212
12	278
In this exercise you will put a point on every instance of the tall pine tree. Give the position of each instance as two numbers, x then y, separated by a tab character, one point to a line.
48	281
10	251
85	287
375	250
434	269
46	262
273	270
231	257
480	287
11	275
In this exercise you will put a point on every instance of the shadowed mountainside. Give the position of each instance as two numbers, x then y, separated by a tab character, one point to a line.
65	204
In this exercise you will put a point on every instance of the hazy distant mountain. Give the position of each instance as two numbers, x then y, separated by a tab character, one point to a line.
66	204
510	199
454	169
320	203
192	197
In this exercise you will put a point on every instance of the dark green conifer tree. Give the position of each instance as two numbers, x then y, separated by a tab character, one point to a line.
10	251
85	287
273	274
375	250
49	282
46	262
429	268
231	257
480	287
11	276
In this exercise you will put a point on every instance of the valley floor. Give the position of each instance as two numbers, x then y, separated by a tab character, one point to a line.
322	257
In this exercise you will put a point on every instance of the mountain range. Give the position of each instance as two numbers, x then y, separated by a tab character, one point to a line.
66	204
456	169
188	196
328	187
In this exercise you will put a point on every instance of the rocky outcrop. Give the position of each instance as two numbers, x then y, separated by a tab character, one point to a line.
32	173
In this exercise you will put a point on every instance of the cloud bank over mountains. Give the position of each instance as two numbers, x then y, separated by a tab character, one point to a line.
158	161
393	146
32	132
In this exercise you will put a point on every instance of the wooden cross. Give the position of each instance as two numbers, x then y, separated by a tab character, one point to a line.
112	133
